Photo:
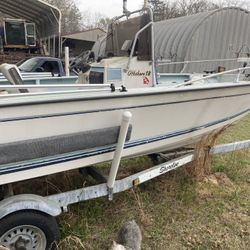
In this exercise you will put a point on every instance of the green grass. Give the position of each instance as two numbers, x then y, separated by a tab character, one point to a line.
174	211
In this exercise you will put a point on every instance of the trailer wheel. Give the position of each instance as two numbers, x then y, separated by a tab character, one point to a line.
29	230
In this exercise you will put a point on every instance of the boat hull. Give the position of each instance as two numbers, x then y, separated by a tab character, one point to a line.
162	119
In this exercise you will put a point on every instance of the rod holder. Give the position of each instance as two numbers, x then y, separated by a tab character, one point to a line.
118	152
67	73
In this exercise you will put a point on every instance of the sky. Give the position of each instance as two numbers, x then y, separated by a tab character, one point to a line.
109	8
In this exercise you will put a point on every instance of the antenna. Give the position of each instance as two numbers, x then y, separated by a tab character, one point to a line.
125	7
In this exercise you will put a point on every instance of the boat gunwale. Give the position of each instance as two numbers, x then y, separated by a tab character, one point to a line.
68	96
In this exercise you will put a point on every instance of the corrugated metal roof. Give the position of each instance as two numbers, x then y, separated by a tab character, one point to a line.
216	34
88	35
46	16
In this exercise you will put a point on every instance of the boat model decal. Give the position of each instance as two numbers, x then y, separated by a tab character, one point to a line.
44	162
113	109
138	73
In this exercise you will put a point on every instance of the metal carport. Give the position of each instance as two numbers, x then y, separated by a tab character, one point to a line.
46	17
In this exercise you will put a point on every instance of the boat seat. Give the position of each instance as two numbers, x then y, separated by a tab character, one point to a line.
56	145
13	75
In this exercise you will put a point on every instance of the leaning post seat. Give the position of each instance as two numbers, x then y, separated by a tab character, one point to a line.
13	75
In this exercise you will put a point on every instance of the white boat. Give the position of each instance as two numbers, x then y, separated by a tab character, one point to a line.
45	132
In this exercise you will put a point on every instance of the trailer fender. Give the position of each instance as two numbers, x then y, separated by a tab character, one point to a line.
29	202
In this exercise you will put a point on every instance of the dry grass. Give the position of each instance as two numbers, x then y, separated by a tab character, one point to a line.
71	242
202	166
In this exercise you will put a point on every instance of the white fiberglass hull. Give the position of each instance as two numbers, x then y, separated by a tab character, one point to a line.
162	119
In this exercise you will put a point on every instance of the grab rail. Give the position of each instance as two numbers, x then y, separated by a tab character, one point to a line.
239	70
196	61
168	62
61	86
58	89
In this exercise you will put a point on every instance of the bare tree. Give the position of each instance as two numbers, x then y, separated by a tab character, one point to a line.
165	9
95	20
170	9
159	9
234	3
103	23
72	19
190	7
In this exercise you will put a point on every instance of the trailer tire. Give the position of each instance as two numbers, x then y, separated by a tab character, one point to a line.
29	229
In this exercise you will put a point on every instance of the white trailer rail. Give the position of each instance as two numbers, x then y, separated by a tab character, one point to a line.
71	197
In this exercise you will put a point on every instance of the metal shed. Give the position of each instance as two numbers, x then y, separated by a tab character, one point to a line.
46	17
80	41
219	34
